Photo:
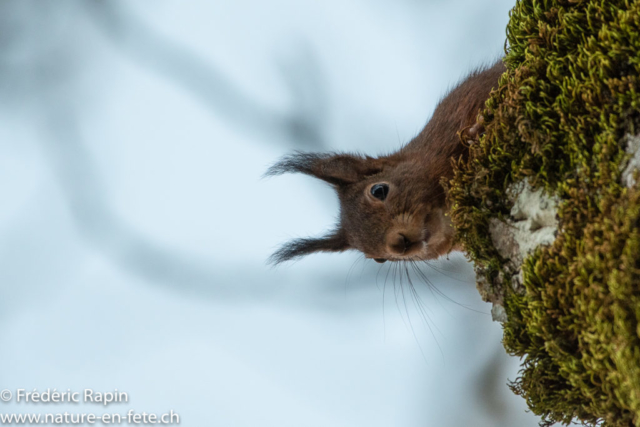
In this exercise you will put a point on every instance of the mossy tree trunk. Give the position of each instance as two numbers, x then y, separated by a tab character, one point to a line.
561	124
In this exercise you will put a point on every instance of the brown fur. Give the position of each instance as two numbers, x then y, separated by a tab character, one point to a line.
411	223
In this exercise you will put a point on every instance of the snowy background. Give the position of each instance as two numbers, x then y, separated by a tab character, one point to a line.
135	226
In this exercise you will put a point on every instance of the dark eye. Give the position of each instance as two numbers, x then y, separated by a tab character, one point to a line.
380	191
379	260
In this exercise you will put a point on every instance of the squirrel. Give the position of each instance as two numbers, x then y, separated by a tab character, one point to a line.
394	207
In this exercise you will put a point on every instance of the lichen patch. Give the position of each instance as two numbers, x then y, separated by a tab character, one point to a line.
633	149
533	222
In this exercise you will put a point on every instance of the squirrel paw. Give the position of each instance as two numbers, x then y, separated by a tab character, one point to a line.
470	135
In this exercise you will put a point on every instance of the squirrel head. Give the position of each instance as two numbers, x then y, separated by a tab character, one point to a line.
392	208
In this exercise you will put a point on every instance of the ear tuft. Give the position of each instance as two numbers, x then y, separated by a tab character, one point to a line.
298	162
334	168
335	242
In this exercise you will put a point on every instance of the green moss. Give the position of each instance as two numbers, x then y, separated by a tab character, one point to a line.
559	118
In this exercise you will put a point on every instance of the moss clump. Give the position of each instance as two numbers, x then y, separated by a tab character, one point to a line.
560	119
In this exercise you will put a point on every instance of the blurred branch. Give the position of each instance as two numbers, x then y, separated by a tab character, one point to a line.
100	225
97	222
303	126
47	78
488	387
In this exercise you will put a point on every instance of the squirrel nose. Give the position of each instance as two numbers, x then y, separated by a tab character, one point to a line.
398	244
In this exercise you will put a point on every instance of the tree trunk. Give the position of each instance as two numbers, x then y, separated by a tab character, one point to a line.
548	208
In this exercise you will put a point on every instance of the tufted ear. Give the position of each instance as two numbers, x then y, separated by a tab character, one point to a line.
334	242
336	169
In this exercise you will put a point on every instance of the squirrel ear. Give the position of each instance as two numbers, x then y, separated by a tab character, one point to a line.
334	242
336	169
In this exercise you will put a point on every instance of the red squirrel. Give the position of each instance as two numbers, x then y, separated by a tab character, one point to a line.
393	208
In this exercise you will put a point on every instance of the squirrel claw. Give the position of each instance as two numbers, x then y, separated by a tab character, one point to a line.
470	134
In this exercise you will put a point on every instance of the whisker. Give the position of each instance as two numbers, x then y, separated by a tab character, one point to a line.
444	273
406	270
346	280
396	285
425	308
423	311
384	288
437	292
430	286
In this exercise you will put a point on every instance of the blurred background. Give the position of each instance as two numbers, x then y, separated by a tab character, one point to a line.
135	226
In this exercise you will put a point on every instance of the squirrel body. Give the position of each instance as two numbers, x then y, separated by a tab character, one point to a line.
393	208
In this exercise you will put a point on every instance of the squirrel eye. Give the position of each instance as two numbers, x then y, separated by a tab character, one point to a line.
380	191
379	260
